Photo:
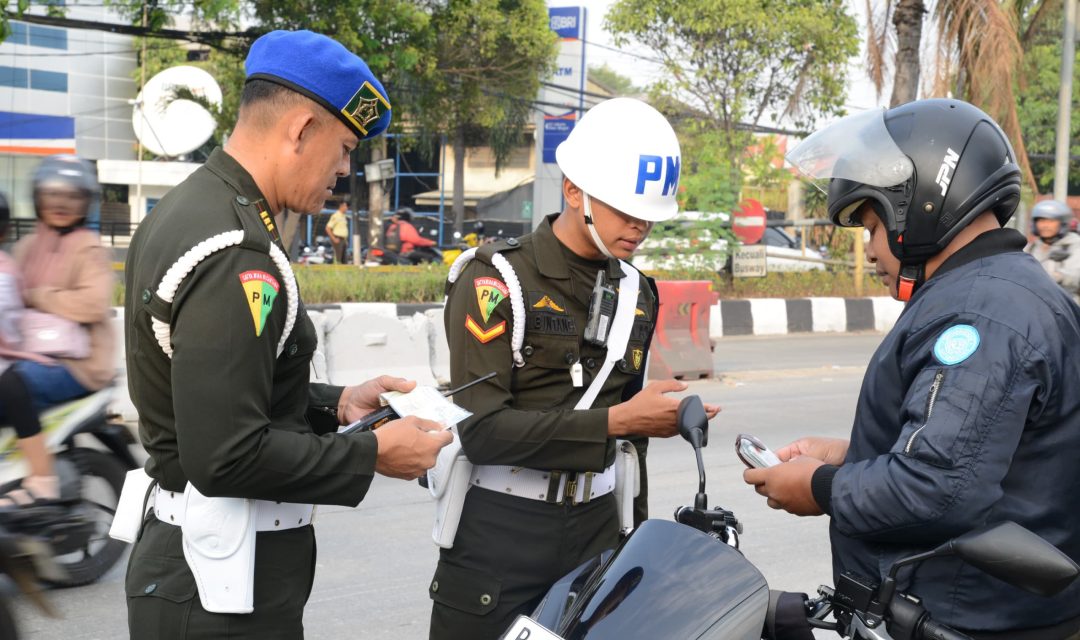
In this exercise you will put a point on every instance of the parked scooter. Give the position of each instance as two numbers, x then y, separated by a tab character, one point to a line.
92	456
686	580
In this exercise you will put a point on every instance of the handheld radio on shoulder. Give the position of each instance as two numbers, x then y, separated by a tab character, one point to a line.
601	311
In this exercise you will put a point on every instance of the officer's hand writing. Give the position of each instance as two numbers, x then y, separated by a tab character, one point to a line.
828	450
408	447
650	413
787	485
360	400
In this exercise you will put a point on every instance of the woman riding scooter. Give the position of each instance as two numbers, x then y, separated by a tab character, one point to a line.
65	346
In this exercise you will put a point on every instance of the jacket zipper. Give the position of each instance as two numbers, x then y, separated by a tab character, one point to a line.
934	389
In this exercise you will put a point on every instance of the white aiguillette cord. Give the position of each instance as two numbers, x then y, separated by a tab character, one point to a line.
619	336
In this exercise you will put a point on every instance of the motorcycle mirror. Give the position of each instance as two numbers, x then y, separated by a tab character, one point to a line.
1015	555
692	421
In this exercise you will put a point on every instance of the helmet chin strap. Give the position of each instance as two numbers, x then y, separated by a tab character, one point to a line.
911	276
592	228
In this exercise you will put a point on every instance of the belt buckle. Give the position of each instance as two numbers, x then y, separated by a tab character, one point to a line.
571	489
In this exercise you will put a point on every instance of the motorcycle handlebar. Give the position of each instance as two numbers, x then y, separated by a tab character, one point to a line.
931	630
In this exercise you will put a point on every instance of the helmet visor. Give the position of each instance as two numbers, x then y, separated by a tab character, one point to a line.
857	148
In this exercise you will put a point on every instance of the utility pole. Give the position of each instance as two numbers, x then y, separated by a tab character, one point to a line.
142	123
354	203
1068	54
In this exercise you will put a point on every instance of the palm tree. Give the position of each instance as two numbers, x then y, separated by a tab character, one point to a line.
976	57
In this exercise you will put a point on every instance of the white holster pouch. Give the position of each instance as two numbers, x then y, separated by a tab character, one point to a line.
448	482
627	483
132	506
219	545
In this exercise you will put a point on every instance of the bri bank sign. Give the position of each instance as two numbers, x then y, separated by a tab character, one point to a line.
565	22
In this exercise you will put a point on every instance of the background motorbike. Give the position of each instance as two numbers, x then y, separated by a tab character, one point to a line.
28	562
92	456
686	580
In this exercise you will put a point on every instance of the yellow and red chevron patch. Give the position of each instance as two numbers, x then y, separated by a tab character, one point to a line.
484	335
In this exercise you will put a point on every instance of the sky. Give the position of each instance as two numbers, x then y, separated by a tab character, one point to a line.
860	95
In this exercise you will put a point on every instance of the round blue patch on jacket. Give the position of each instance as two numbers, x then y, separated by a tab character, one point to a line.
956	344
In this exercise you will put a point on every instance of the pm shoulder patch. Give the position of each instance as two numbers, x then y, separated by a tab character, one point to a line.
260	290
489	293
956	344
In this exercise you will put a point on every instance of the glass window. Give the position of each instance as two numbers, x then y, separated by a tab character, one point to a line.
48	80
13	77
48	37
18	33
777	238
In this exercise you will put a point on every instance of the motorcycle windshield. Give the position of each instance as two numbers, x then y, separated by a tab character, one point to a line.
670	581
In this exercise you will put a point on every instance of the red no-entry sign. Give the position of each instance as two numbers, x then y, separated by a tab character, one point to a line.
748	221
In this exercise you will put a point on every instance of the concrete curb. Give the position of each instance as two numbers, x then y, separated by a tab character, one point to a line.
776	316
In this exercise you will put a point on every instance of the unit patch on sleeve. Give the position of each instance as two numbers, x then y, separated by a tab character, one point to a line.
260	290
489	293
484	335
546	316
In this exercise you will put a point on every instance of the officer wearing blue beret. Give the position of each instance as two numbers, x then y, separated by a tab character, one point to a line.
218	353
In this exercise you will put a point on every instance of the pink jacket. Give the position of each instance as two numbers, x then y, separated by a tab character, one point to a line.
71	276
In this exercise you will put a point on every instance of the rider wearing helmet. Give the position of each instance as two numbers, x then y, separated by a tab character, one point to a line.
1055	245
67	286
969	413
541	500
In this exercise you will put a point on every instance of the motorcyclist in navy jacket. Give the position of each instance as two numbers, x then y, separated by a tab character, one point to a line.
969	412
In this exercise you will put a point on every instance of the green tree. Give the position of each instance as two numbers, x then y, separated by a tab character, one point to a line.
735	62
612	80
1037	97
730	65
489	57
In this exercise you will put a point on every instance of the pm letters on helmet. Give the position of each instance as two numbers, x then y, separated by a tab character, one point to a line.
948	162
651	169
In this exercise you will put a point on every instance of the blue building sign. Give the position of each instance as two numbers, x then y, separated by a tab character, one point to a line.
556	129
566	22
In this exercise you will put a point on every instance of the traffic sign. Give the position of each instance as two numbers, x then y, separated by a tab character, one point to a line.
748	221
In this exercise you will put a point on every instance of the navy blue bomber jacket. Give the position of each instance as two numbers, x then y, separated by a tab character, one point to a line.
969	414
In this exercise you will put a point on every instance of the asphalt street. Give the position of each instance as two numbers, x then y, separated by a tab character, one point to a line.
375	561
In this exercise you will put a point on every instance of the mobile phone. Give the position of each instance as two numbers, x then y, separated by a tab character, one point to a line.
754	453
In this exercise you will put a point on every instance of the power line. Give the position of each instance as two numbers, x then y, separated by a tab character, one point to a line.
625	53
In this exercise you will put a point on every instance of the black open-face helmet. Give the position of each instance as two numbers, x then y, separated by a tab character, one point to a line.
928	168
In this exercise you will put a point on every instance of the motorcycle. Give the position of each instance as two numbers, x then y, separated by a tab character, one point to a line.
28	562
92	456
420	255
321	253
687	580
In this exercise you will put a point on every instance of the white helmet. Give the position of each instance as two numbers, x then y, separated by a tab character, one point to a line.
625	153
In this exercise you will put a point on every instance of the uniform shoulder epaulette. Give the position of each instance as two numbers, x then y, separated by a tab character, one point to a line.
485	252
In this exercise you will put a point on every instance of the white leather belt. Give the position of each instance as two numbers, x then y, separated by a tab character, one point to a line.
269	516
555	487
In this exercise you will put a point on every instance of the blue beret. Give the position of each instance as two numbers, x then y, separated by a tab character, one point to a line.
325	71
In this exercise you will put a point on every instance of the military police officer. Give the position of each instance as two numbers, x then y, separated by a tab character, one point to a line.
540	500
219	349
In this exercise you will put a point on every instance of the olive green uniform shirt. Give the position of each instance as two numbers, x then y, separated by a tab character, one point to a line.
525	415
226	412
